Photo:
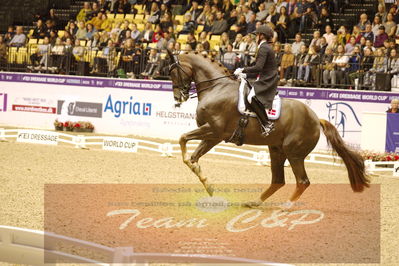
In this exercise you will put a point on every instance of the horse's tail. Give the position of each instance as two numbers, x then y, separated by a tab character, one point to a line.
353	161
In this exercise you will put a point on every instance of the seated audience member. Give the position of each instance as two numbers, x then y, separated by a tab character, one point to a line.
84	12
188	25
40	57
363	22
350	45
90	31
301	62
127	57
122	7
19	38
3	51
394	106
147	34
57	55
354	62
316	39
78	51
96	21
378	67
327	66
296	46
39	31
220	25
287	64
204	41
368	33
153	63
366	64
392	67
329	35
81	32
375	26
9	34
380	37
341	63
104	63
343	35
229	58
390	25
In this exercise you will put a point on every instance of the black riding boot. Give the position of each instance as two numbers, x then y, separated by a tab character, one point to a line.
267	126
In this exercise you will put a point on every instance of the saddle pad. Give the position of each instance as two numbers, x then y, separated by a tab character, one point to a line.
273	113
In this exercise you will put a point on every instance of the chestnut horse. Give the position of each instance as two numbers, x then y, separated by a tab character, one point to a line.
296	133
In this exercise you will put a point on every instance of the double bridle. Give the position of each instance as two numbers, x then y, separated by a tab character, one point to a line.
184	87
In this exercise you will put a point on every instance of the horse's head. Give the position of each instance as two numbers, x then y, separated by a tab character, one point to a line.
181	75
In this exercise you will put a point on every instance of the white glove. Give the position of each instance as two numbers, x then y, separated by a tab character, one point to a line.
238	71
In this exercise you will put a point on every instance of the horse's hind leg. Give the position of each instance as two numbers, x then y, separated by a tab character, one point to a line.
277	158
302	181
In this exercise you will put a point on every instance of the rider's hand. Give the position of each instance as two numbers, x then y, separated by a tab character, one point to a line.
238	71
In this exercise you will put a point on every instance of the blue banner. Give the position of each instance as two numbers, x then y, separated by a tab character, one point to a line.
392	137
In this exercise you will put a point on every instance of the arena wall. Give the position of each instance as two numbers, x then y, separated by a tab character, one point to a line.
146	107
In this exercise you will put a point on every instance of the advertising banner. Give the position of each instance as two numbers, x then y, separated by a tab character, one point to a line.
392	137
146	107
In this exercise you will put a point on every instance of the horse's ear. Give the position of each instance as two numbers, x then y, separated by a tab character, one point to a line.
171	57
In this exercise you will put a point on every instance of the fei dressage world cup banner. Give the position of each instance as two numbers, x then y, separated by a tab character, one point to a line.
146	107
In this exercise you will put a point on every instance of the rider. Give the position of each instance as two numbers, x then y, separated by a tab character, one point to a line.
264	88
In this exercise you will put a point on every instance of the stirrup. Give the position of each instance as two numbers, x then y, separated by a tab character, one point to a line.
267	129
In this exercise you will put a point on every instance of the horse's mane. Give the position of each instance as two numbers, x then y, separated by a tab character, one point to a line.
219	66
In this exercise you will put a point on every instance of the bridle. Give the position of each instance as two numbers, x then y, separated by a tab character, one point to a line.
184	87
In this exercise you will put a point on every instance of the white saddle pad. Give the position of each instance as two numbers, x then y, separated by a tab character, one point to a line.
273	114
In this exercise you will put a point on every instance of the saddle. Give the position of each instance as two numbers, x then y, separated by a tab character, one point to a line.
243	104
243	107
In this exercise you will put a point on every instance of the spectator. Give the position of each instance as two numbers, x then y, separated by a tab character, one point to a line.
356	33
105	59
195	11
191	40
127	57
155	14
94	43
277	52
314	63
250	50
368	33
229	58
83	13
272	16
296	46
280	4
366	64
324	20
71	28
209	23
242	25
251	25
381	12
134	32
363	21
390	25
220	24
81	32
39	31
40	57
354	62
106	23
147	33
378	66
166	22
19	38
282	25
287	64
341	62
3	52
188	26
392	67
327	66
247	12
238	44
122	7
224	42
57	56
329	36
206	12
203	40
301	63
96	21
9	34
323	45
316	39
376	25
153	63
262	13
350	45
394	106
380	37
343	36
78	51
90	31
54	18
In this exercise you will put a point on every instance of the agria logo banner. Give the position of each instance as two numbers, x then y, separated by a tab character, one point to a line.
129	106
3	102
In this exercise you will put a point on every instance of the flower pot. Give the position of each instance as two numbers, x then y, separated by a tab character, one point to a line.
78	129
59	128
68	129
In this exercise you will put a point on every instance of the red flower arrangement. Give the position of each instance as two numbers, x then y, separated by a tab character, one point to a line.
379	157
80	126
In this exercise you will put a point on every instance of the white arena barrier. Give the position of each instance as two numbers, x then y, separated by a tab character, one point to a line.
257	154
33	247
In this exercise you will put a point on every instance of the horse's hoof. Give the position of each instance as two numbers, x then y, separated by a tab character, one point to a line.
252	204
209	189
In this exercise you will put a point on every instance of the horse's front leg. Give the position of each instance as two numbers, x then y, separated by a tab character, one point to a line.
209	140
